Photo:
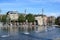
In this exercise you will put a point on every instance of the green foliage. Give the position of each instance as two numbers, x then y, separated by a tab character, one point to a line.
21	18
30	18
0	18
3	18
57	21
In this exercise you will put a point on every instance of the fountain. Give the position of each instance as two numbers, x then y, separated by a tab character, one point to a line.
11	25
53	26
34	26
5	36
26	28
13	31
46	29
36	29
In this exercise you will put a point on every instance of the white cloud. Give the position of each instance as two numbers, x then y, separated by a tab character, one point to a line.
7	4
36	1
14	4
44	1
52	14
54	0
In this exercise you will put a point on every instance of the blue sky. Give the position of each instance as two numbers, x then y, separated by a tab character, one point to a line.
51	7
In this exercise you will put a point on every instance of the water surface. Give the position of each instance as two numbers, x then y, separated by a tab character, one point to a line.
17	33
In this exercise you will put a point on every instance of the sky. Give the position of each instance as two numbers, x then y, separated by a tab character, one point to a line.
50	7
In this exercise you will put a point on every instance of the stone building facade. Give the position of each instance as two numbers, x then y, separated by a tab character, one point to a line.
12	16
51	20
41	20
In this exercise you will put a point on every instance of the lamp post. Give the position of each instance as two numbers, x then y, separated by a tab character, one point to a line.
7	20
42	17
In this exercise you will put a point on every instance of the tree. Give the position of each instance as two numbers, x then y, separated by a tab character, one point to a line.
57	21
3	18
0	18
21	18
30	18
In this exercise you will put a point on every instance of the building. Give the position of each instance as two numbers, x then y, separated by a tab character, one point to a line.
38	20
41	20
12	16
51	20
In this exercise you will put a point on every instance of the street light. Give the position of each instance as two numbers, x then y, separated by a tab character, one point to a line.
43	17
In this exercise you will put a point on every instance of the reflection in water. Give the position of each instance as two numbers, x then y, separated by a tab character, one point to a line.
46	28
43	28
13	31
39	28
10	30
26	29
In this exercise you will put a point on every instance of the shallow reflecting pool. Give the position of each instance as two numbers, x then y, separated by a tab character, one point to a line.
18	33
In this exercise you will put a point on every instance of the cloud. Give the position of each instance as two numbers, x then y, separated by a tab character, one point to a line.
37	1
54	0
7	3
52	14
44	1
12	4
